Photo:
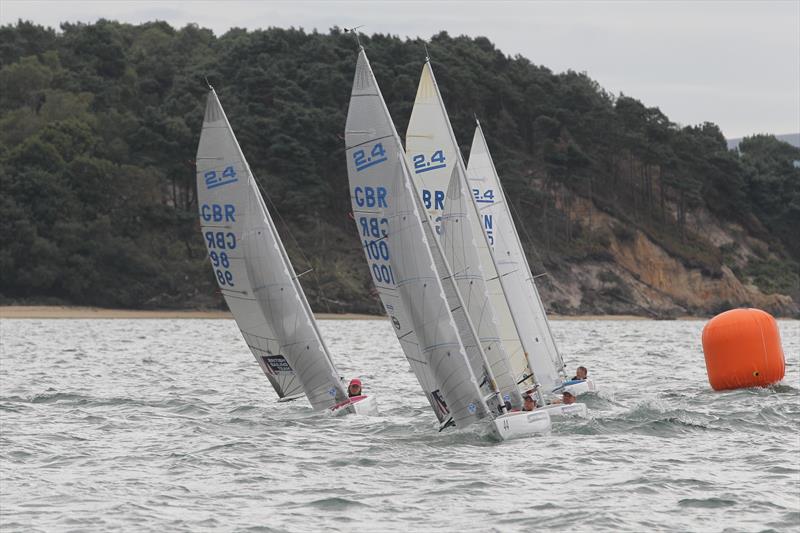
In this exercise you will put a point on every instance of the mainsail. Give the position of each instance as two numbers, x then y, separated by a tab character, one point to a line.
254	273
440	176
461	249
512	263
395	243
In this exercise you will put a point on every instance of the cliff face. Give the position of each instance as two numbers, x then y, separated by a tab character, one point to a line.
640	277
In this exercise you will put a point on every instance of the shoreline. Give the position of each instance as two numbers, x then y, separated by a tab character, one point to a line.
56	312
77	312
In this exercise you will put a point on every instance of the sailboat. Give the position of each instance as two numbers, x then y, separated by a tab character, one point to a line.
525	301
256	277
412	277
438	166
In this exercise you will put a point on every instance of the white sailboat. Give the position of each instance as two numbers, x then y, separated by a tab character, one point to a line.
525	302
440	179
411	274
434	153
256	277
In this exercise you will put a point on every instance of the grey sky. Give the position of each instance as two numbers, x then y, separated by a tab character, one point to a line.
733	63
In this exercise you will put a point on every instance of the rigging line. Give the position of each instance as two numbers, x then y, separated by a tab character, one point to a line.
305	258
379	239
282	220
303	273
354	31
368	141
527	236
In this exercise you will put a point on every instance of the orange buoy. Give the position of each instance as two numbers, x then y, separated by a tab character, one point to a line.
743	349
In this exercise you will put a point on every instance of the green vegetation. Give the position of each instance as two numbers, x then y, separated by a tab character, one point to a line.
774	276
99	126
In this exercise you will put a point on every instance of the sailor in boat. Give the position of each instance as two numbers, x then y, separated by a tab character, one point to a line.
354	389
580	374
528	403
567	398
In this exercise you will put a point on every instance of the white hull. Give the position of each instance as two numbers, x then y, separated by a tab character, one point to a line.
577	389
573	409
520	424
366	407
360	405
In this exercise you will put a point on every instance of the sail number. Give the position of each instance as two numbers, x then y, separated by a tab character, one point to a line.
424	164
434	200
370	196
487	197
377	155
219	243
374	231
215	179
218	213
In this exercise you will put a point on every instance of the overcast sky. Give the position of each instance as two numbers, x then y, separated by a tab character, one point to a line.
735	63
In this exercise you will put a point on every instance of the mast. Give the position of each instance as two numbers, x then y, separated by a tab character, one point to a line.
530	278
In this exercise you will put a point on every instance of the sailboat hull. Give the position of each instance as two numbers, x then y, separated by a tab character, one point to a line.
577	387
520	424
359	405
559	410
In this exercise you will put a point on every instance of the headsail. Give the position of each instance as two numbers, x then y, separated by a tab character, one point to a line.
253	271
512	263
461	248
435	160
394	240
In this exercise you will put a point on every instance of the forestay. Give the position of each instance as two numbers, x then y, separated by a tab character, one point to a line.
396	248
437	167
254	273
512	264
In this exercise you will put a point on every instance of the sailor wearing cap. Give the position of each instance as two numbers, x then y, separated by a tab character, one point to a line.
567	397
528	403
354	389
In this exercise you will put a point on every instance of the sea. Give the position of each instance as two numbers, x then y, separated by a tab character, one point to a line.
169	425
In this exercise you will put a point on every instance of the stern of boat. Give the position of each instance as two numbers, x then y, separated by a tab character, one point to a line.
520	424
558	410
581	387
359	405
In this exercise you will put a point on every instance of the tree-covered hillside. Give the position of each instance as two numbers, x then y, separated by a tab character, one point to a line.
99	128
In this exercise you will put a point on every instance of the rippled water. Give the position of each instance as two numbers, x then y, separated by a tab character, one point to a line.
170	425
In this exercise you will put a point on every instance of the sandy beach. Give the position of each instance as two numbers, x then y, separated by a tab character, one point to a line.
54	311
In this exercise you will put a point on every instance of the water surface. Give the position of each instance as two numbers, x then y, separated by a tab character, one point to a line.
170	425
